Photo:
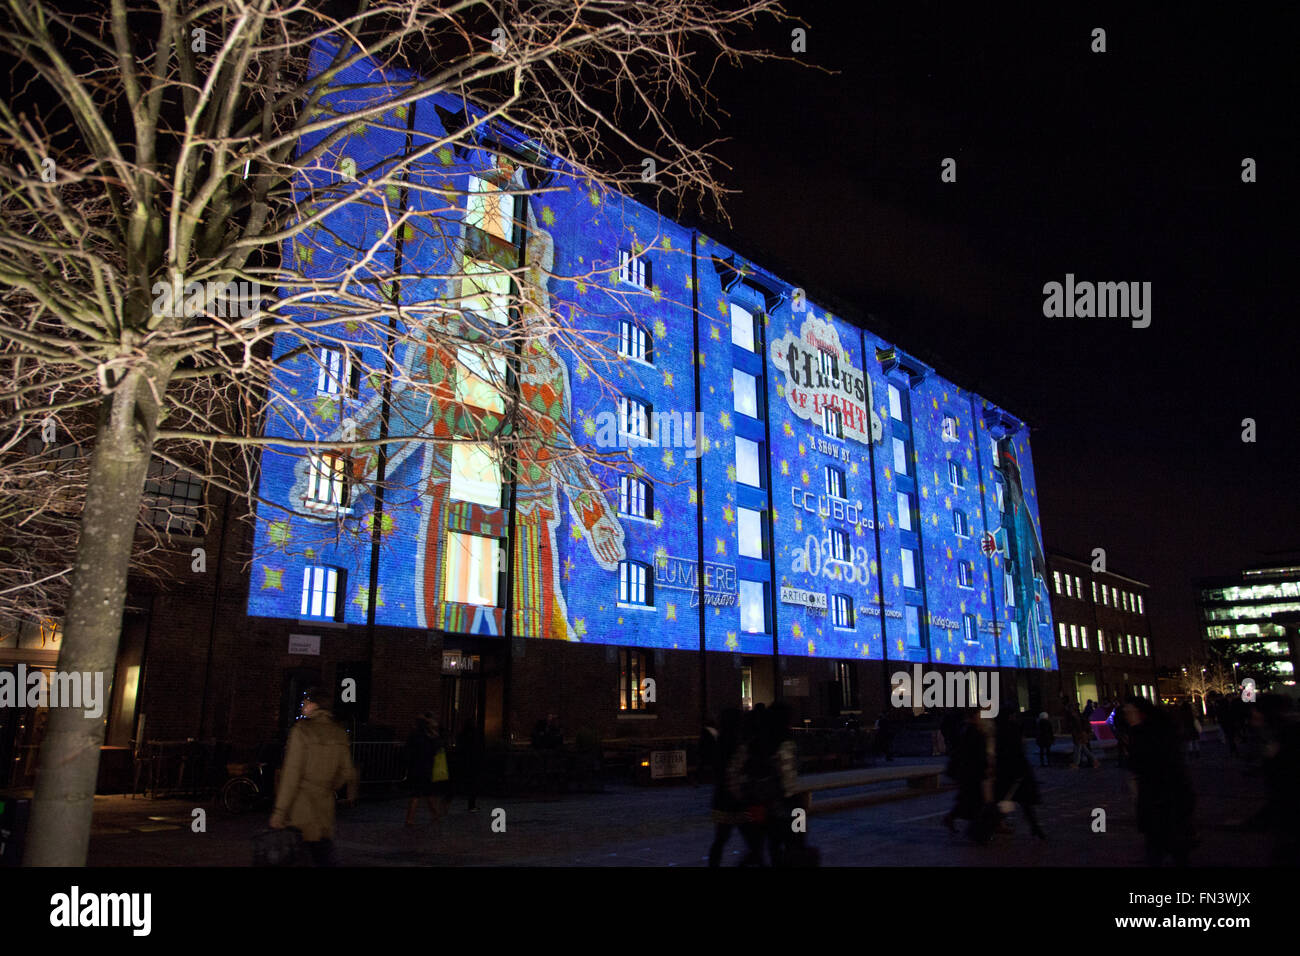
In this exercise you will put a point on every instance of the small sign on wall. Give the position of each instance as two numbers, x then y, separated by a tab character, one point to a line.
667	763
305	644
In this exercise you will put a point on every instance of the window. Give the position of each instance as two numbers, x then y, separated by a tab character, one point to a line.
1069	586
634	270
834	482
1013	629
749	532
634	342
829	367
1105	597
846	675
172	499
753	606
900	457
748	455
912	617
634	418
908	558
479	379
968	629
485	292
1083	636
839	544
1009	587
327	482
635	497
471	569
1114	597
1056	581
1094	592
1129	639
1140	609
904	511
895	403
1101	640
842	608
744	388
635	586
338	374
742	328
1146	648
832	421
954	474
746	687
1078	588
634	668
1060	627
950	429
1074	636
475	474
960	525
490	209
320	587
965	575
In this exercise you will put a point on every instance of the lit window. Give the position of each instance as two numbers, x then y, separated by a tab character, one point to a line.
476	377
753	606
172	498
912	617
338	374
832	421
954	474
634	270
908	558
748	456
471	569
1140	608
1146	648
834	482
749	531
950	429
968	629
327	485
475	474
1078	588
1129	639
1083	636
965	576
900	457
829	367
742	327
635	497
745	390
1069	586
842	607
490	209
633	669
485	292
839	544
1101	640
1002	502
1105	596
895	403
634	342
1061	629
1014	630
320	588
634	418
634	584
1094	592
960	525
904	511
1074	636
1056	581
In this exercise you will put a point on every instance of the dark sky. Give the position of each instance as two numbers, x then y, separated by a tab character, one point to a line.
1115	166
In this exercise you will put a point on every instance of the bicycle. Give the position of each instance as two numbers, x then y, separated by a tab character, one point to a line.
247	789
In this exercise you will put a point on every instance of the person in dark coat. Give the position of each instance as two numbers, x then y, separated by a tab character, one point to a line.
969	766
422	749
1164	799
1044	738
1014	778
728	810
469	746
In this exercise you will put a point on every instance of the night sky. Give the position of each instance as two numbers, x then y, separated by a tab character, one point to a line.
1115	166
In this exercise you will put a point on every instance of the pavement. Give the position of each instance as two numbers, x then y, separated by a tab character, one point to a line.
669	826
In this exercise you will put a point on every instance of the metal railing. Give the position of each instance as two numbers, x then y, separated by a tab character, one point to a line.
380	761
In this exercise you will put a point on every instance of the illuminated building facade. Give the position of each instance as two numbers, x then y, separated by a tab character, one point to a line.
1250	620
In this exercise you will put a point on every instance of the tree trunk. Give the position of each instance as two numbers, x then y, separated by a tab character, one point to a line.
59	832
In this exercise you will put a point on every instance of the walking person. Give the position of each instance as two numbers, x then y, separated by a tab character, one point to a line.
755	783
1081	731
969	766
1044	738
317	762
1164	791
1014	778
423	749
728	811
783	758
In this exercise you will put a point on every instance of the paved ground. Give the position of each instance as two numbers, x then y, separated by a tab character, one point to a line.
669	826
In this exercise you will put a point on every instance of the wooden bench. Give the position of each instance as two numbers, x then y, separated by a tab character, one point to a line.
919	776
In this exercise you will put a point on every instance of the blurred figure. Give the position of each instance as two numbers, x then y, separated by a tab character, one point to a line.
470	748
885	736
1164	792
1014	778
728	811
950	727
422	749
1081	732
1044	738
317	762
969	766
1279	727
1189	726
783	758
754	782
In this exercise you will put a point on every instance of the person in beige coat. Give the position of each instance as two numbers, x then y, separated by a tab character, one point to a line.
317	762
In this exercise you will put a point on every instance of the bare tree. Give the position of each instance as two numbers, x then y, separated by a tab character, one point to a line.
176	186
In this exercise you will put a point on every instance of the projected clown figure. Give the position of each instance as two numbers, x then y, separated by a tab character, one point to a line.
1017	540
447	389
